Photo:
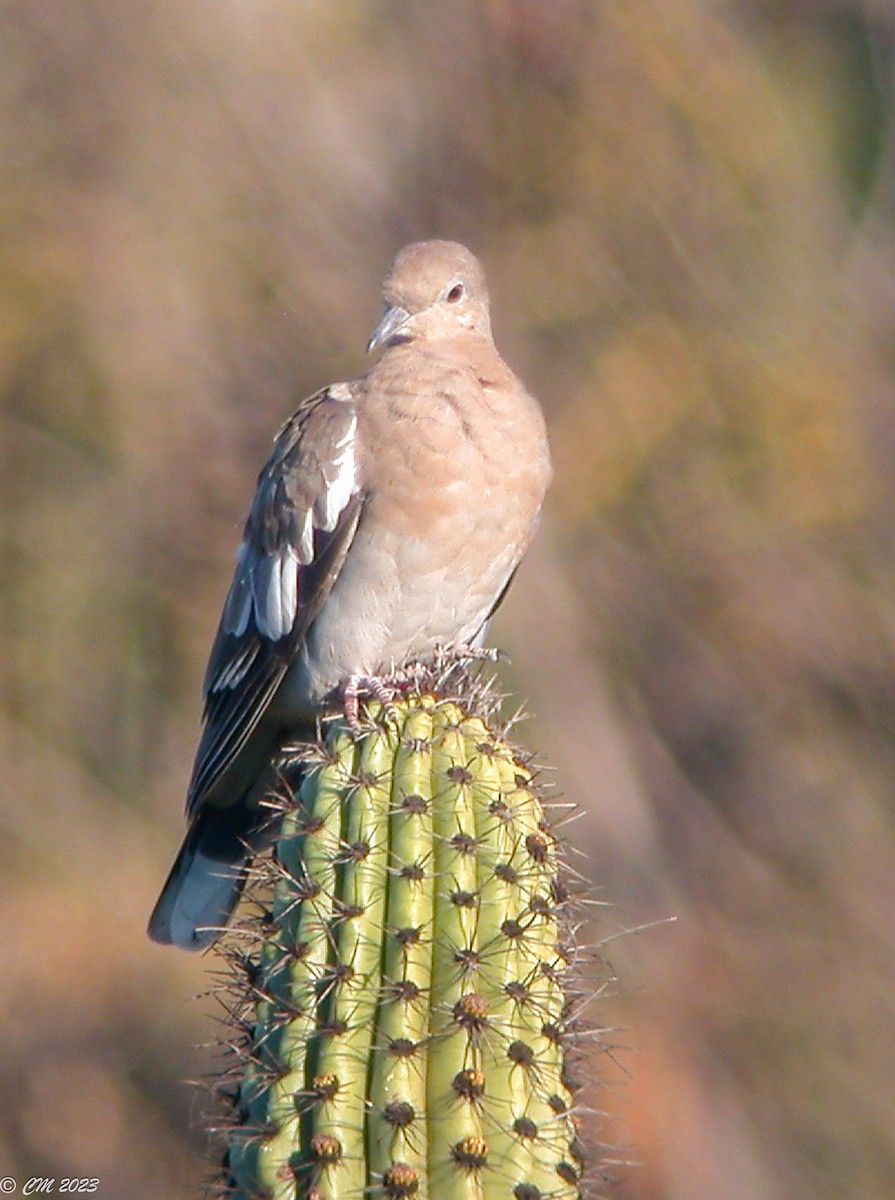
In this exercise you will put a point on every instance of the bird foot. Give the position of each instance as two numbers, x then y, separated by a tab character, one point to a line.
383	688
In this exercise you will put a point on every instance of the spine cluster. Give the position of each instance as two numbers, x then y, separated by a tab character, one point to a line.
407	1036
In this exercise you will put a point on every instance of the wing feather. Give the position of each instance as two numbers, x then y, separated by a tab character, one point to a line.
301	523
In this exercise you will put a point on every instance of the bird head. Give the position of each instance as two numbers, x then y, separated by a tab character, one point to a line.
433	290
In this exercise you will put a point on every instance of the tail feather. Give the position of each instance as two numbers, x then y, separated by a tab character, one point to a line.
208	876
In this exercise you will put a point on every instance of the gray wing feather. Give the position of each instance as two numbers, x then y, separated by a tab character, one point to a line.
301	523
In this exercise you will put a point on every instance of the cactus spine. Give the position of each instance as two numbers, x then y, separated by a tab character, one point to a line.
408	1014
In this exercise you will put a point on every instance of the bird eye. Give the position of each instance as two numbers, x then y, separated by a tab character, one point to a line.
455	293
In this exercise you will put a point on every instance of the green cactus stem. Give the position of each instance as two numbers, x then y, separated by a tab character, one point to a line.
406	1017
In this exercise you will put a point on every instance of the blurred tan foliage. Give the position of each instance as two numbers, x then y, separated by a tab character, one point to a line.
686	210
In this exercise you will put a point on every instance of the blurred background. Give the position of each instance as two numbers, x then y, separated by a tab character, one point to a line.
687	212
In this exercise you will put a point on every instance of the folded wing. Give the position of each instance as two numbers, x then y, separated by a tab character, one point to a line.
302	520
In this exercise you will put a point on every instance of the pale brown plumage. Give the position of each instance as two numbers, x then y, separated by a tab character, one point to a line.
387	523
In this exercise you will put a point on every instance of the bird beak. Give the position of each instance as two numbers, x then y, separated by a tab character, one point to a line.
393	321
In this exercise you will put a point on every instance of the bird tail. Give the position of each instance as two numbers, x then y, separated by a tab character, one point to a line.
209	875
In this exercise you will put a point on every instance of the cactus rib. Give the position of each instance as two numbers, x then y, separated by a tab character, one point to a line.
409	1008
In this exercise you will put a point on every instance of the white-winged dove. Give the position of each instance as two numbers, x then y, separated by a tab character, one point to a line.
387	524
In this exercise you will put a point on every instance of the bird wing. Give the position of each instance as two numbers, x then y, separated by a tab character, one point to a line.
301	523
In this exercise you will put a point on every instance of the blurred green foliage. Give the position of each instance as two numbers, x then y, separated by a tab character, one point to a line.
686	211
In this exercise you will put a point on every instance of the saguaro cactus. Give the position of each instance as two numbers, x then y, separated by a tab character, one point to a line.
406	1018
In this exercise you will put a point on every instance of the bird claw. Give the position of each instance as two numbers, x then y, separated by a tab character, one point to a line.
381	688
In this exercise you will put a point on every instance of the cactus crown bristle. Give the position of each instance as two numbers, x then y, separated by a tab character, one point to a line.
408	1010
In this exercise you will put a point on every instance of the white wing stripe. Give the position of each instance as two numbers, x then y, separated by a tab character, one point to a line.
273	600
341	487
289	586
235	671
275	588
306	546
